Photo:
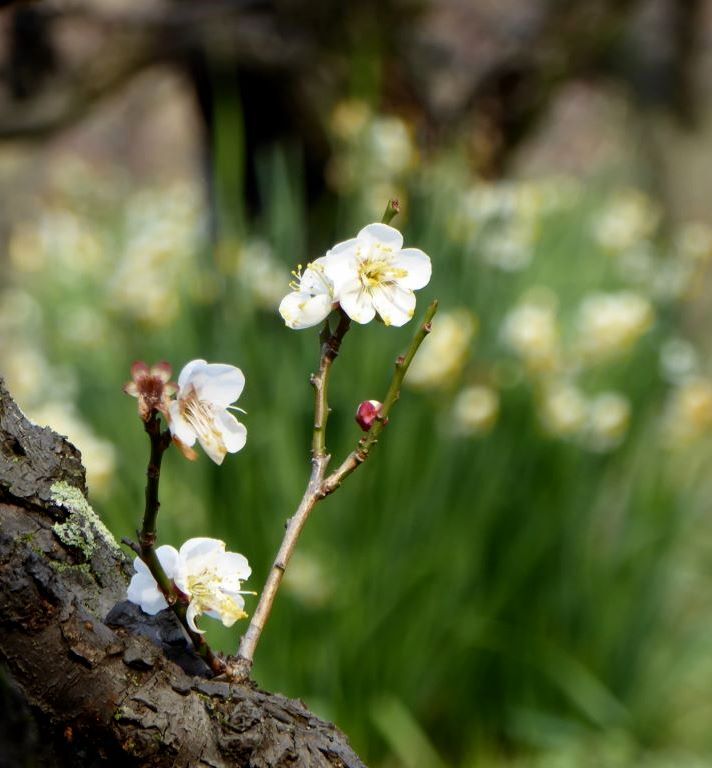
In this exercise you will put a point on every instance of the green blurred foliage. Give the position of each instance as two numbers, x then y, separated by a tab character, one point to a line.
503	582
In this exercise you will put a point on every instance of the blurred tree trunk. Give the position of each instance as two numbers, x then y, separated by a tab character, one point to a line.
490	69
86	679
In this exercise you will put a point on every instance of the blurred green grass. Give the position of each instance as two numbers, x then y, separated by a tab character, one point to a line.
505	596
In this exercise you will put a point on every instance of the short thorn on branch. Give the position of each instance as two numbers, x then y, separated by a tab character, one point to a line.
132	545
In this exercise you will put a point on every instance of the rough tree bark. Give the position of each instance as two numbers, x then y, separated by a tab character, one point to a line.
85	678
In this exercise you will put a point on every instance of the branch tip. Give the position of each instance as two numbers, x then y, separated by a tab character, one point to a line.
392	210
132	545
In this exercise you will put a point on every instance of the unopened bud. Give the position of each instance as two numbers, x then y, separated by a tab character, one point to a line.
367	412
152	387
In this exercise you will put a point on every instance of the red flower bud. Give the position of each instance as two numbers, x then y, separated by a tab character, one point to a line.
367	412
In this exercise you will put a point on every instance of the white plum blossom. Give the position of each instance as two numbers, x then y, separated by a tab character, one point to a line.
200	410
204	572
312	297
368	275
373	274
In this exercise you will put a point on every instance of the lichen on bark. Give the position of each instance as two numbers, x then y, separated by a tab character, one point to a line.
83	526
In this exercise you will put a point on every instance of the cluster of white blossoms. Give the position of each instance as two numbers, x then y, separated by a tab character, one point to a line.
204	574
208	576
371	274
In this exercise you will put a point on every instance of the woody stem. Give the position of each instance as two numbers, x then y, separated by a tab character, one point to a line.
160	441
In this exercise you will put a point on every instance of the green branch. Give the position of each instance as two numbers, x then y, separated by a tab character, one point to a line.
330	346
366	443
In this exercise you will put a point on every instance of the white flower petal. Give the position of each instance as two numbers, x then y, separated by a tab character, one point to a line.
395	305
141	568
357	303
234	434
152	601
417	264
315	280
139	582
228	618
212	443
235	596
341	270
233	563
382	234
341	249
179	427
301	310
169	558
188	370
219	383
198	548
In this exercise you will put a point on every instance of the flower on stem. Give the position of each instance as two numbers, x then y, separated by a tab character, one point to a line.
369	275
374	274
208	576
367	412
200	410
152	388
312	296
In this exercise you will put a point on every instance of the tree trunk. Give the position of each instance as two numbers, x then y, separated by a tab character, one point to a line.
89	680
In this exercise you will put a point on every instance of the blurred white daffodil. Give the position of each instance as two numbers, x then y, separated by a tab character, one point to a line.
312	297
370	274
204	572
200	410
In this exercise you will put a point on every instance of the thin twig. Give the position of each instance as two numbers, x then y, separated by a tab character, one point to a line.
216	664
392	210
319	487
147	534
132	545
160	441
248	644
366	443
330	346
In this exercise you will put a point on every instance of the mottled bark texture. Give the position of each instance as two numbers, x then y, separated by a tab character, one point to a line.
85	678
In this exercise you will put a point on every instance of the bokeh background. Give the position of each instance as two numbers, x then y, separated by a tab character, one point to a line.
522	574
